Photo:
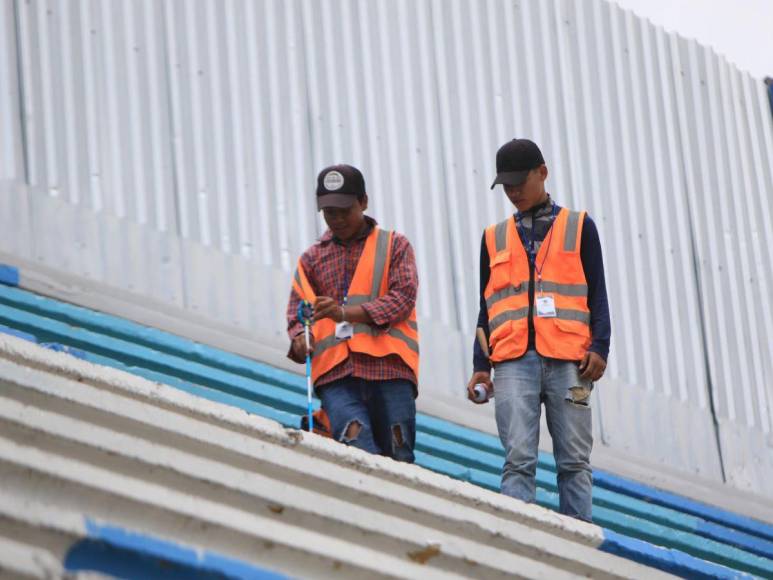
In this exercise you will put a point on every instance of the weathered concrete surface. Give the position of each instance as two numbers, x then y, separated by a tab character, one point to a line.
78	440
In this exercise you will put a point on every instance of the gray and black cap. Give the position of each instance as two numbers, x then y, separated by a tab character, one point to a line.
339	186
514	161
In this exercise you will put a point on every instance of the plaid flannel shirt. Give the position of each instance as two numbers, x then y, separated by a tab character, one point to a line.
329	267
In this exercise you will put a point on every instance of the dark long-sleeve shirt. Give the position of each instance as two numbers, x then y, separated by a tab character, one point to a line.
539	219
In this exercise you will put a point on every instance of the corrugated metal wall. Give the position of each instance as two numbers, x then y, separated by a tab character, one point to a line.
209	120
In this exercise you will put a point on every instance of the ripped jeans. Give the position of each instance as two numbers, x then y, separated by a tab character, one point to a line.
376	416
520	387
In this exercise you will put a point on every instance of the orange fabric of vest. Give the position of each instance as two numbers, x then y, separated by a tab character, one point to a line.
567	335
370	280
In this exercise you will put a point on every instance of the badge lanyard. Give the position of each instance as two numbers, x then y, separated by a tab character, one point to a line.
531	253
344	330
345	289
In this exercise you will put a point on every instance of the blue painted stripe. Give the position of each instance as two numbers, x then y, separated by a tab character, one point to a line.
492	463
157	340
125	554
683	504
285	419
18	333
446	446
671	561
143	357
689	543
9	275
733	537
638	527
59	347
441	466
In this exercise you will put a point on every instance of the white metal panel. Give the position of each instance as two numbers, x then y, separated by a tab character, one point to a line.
94	113
210	121
121	253
11	168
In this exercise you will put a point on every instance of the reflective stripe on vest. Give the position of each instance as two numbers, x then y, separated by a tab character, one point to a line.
506	293
570	236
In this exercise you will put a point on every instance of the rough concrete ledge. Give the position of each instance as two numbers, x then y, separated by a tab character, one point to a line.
93	426
61	285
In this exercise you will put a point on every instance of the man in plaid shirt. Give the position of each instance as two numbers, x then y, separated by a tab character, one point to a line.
369	398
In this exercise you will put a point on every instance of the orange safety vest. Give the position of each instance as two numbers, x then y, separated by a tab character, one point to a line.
369	282
567	335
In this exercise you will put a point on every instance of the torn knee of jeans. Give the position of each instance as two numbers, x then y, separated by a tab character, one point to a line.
351	431
579	395
397	436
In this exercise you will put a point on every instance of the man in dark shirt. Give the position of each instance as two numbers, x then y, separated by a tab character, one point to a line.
549	332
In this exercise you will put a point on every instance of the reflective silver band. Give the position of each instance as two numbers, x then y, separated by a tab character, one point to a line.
380	262
521	313
393	332
357	299
500	319
331	341
500	235
324	344
565	289
570	236
576	315
506	293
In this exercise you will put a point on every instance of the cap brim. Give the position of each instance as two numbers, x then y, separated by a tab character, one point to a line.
335	200
511	178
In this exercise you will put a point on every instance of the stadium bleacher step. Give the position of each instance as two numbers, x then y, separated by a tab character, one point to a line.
625	507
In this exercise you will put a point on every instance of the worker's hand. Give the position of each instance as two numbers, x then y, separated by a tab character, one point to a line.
298	349
326	307
480	377
592	366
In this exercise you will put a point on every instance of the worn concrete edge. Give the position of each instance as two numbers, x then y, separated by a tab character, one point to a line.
88	541
68	367
60	285
152	378
623	568
31	355
162	554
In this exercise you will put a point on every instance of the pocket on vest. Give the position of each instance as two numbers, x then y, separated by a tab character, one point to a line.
500	270
509	340
572	327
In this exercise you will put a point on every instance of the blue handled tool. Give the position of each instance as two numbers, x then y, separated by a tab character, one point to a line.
305	312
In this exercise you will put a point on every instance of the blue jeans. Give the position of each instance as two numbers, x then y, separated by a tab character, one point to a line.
376	416
520	386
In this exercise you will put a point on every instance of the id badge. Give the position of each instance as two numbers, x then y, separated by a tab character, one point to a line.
344	330
546	307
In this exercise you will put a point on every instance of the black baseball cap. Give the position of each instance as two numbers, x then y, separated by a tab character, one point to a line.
339	186
514	161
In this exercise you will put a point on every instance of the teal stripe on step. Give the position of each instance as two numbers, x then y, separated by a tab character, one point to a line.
18	333
671	561
447	448
684	541
139	335
637	527
441	466
285	419
143	357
